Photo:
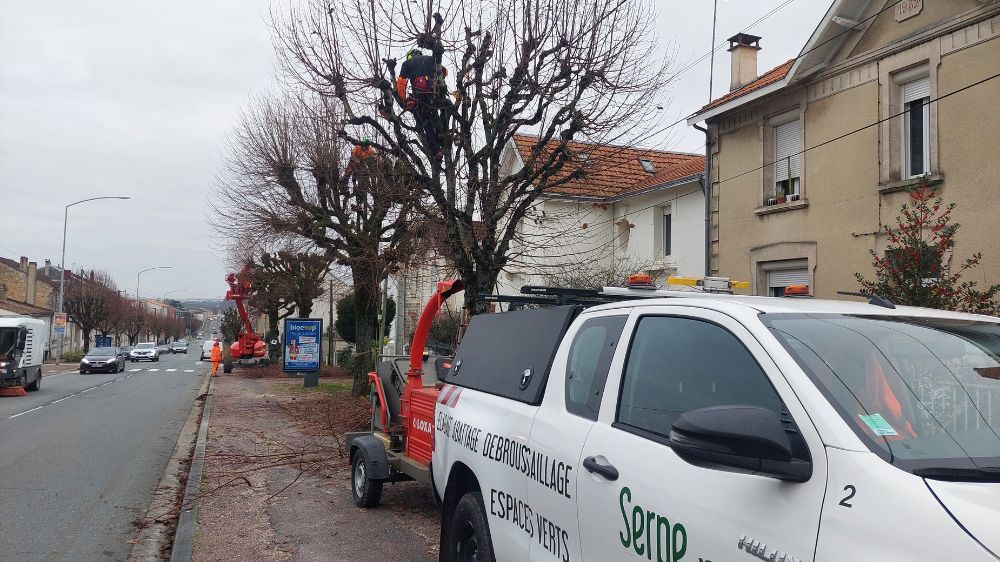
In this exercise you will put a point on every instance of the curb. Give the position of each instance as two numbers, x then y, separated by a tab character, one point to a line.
154	538
183	547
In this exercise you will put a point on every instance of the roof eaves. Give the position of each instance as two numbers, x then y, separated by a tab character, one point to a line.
659	187
736	102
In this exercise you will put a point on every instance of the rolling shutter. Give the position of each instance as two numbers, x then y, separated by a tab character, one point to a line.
786	277
787	149
917	89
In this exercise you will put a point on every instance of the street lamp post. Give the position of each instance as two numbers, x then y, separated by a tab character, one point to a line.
144	271
62	261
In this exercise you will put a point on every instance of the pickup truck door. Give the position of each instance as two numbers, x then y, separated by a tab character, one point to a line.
569	408
638	499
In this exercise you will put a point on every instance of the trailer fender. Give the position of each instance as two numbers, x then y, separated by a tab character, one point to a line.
374	454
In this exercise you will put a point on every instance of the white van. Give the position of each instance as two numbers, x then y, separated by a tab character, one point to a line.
22	349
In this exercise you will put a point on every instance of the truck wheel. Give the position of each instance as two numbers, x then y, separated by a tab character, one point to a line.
469	539
367	492
35	384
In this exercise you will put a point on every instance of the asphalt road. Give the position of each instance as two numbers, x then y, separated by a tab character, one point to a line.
80	458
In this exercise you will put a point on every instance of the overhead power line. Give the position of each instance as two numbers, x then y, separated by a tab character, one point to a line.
824	143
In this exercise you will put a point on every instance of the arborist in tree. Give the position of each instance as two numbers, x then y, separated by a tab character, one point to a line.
425	77
359	153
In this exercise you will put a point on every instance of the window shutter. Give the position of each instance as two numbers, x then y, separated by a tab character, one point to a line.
917	89
787	149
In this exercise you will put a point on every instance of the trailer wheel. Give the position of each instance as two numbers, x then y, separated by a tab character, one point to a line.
469	539
367	492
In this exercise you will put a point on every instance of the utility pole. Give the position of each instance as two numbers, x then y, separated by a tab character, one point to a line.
331	353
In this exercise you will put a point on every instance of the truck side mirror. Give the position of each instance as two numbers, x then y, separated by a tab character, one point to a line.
742	437
442	365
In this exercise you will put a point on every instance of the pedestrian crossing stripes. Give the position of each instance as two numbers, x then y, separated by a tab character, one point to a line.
134	370
152	370
169	370
188	370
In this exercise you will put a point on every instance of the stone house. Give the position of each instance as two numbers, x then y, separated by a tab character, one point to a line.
809	160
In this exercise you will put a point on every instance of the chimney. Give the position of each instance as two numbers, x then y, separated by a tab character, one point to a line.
48	269
24	263
29	286
743	47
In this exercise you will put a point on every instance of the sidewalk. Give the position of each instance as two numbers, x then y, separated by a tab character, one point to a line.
276	483
53	369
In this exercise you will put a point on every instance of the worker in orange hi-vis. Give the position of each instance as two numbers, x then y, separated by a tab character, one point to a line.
216	357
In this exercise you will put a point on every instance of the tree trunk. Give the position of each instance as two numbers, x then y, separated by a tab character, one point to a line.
305	308
86	338
365	309
480	281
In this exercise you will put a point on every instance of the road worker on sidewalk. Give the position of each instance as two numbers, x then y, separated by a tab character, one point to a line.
216	357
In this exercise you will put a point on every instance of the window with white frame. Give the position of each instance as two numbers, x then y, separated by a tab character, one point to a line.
916	127
787	158
667	231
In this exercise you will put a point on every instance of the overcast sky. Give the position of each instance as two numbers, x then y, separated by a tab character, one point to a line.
117	97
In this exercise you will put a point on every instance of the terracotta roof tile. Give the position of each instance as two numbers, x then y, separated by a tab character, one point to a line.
769	77
613	171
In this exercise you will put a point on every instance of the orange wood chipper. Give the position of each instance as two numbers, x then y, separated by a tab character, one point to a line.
399	443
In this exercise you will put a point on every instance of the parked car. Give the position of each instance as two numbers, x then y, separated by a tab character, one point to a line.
145	351
179	347
163	348
126	350
103	360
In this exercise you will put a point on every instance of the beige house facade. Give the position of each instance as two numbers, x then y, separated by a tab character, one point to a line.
809	160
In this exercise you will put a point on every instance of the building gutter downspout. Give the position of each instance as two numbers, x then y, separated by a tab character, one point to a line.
706	189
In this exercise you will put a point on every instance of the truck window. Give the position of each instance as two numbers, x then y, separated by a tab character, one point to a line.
680	364
589	359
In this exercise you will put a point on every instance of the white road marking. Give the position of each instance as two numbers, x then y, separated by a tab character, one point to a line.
152	370
188	370
63	398
171	370
25	412
132	371
87	389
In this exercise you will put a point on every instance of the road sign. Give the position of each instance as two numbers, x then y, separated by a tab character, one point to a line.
302	345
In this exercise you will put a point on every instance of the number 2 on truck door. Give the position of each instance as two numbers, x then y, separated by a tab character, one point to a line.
661	507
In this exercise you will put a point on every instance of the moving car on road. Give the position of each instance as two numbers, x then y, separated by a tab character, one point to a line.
145	351
179	347
103	360
126	350
163	348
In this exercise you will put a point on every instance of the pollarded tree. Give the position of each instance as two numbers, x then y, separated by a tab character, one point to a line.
300	274
916	268
134	319
295	182
549	70
89	302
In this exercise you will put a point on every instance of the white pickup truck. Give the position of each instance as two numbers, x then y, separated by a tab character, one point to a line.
700	427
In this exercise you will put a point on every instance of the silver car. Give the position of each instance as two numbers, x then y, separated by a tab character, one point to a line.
145	351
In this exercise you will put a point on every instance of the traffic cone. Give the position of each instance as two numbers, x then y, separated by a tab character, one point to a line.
13	391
